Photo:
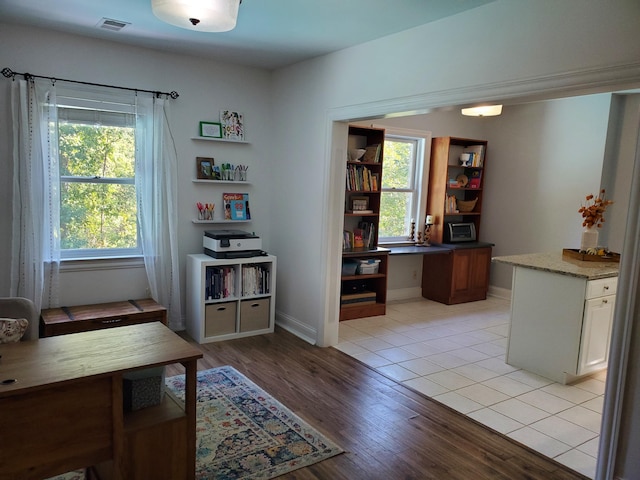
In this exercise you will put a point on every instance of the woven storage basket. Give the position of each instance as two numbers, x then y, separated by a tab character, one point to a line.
466	205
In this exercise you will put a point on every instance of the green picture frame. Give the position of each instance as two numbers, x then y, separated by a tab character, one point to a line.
211	129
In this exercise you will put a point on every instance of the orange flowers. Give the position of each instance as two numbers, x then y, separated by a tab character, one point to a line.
593	211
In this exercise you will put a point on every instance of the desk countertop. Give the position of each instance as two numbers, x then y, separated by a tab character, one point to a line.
554	262
66	358
434	248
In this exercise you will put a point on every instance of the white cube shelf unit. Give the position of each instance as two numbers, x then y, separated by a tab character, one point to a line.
230	298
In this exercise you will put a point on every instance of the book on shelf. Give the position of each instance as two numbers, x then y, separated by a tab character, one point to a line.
360	298
236	206
372	153
358	238
255	279
220	282
477	154
360	178
475	176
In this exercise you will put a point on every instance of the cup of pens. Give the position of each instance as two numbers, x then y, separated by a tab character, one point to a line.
205	210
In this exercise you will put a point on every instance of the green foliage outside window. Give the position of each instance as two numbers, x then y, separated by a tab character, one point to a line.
94	213
396	205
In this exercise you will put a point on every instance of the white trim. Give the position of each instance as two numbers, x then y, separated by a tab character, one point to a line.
404	294
626	310
296	327
499	292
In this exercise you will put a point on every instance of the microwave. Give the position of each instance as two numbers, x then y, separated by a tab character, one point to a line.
459	232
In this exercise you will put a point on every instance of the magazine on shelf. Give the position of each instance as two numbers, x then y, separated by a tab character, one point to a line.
236	206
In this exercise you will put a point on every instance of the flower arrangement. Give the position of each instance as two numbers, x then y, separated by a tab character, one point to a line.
593	211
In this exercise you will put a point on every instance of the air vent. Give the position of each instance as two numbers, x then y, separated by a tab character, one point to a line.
113	25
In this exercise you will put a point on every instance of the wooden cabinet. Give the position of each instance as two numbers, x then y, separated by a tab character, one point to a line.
461	275
361	224
560	324
364	294
449	180
67	409
230	298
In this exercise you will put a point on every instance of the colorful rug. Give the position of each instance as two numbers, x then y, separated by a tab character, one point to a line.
244	433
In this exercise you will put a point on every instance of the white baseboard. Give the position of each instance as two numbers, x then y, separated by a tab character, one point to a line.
404	293
296	327
499	292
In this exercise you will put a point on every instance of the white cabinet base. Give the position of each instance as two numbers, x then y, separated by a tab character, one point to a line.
556	330
240	313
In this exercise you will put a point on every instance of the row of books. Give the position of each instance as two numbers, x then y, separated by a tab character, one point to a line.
451	204
220	282
359	298
361	237
360	178
256	280
477	155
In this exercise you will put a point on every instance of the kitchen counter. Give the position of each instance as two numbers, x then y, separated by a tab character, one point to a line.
554	262
561	314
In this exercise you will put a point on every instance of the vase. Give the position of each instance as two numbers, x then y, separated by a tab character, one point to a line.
589	238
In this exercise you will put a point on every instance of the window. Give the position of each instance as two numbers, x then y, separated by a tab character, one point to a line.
402	196
96	150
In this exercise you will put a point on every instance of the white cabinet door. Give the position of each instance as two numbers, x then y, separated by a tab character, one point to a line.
596	334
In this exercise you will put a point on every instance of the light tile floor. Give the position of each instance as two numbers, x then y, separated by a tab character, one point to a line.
455	354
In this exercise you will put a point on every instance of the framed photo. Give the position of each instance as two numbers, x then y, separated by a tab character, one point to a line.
359	203
204	168
210	129
232	125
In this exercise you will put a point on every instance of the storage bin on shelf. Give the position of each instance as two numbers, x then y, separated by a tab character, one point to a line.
349	267
368	266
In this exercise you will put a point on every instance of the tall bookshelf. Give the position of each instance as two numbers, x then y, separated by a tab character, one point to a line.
360	230
447	178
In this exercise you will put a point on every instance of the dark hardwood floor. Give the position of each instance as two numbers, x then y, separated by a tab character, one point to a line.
387	430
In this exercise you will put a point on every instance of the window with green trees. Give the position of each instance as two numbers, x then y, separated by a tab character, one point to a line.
401	181
98	211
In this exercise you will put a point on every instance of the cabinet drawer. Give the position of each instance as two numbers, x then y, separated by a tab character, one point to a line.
220	319
601	287
254	314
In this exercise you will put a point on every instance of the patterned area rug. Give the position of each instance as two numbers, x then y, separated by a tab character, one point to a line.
244	433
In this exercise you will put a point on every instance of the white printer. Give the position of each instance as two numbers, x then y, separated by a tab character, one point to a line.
231	244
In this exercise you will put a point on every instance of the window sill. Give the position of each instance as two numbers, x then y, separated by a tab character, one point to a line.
93	264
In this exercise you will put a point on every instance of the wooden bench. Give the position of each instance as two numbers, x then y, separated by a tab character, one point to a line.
82	318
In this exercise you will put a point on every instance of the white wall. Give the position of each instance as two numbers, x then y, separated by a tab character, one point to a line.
543	158
205	87
429	66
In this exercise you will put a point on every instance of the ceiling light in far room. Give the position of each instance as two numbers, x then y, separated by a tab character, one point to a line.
484	111
199	15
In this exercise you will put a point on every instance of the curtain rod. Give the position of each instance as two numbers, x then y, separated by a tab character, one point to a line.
7	72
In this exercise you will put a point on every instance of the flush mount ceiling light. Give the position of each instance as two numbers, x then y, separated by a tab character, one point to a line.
485	111
199	15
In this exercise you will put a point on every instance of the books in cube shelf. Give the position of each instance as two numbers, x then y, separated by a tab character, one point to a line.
236	206
220	282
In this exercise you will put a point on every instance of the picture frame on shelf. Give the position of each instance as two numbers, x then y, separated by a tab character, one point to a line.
232	125
211	129
360	204
204	168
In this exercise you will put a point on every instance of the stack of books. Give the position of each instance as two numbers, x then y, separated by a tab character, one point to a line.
360	298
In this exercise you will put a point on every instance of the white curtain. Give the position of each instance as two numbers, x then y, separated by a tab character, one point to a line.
35	247
156	174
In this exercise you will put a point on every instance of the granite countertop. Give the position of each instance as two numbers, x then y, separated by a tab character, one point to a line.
554	262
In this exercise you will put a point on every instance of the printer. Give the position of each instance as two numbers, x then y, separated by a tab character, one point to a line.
231	244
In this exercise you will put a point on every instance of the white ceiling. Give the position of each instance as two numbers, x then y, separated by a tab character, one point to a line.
269	34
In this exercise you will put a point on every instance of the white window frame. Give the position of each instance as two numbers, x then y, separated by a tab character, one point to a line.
420	178
107	107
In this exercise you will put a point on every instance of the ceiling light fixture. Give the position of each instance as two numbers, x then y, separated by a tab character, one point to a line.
199	15
484	111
